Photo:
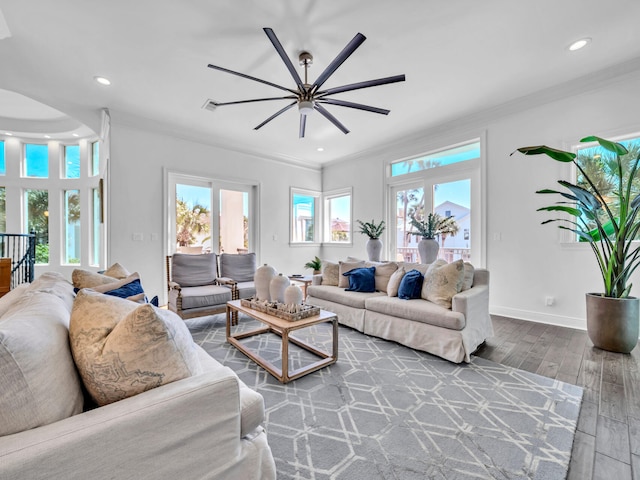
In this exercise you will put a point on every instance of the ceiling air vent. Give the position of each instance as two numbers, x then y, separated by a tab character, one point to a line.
210	105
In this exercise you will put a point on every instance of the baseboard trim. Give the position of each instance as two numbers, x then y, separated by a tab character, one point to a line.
558	320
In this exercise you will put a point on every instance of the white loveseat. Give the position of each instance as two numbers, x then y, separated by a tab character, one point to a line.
206	426
451	333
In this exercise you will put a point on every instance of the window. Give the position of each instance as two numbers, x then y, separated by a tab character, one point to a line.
595	161
37	221
68	225
3	166
448	156
36	160
304	207
446	182
72	226
71	161
95	159
337	217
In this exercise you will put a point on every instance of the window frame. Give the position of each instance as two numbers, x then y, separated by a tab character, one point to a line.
317	215
475	169
326	231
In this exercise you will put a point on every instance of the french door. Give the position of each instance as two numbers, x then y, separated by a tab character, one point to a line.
210	215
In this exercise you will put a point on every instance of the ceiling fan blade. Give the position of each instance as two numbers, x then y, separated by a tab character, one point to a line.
356	86
285	58
279	112
339	60
243	75
325	113
220	104
303	124
359	106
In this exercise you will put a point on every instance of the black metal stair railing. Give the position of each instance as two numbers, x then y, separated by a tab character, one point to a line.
21	249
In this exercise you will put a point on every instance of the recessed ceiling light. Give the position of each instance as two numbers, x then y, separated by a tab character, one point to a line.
9	133
320	149
578	44
75	135
47	136
102	80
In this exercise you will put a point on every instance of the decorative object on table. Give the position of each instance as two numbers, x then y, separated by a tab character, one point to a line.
278	285
374	244
262	280
603	211
429	229
311	97
282	310
315	265
293	295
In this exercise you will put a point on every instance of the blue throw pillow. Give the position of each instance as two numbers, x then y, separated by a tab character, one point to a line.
128	290
361	280
411	285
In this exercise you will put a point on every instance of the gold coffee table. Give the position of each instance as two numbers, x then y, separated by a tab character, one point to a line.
283	328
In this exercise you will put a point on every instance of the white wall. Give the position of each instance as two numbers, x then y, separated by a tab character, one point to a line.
138	160
529	262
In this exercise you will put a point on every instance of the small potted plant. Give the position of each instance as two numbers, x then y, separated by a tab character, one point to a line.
372	230
429	229
606	215
315	265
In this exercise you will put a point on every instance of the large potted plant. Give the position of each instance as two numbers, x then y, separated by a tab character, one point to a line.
602	210
429	228
372	230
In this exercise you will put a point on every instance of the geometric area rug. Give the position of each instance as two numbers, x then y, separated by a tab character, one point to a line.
385	411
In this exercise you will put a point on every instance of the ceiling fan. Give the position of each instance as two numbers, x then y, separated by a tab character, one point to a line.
307	96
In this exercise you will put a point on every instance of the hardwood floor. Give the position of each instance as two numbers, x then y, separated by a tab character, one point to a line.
607	443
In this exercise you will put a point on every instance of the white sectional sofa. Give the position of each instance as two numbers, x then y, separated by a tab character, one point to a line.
205	426
451	333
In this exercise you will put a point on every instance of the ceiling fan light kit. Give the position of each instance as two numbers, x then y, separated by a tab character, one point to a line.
308	96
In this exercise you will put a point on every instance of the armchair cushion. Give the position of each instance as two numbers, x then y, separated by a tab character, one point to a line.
239	267
122	349
205	296
194	270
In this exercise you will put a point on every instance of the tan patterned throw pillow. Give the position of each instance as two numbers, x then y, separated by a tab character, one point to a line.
442	282
469	272
329	273
117	271
122	349
88	279
344	267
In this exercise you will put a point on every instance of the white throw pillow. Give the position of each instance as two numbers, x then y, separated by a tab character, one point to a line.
330	273
394	282
122	349
383	273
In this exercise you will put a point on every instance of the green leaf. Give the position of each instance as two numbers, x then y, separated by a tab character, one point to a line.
614	147
584	196
559	155
561	208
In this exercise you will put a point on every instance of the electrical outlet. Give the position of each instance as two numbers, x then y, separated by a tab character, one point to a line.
137	237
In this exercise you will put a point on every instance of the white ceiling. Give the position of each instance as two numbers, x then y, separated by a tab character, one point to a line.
460	58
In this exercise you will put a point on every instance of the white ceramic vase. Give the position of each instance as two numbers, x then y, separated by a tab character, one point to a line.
278	285
374	248
428	250
293	295
262	281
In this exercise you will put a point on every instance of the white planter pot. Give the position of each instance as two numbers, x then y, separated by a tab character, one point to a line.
293	295
277	287
374	249
262	280
428	250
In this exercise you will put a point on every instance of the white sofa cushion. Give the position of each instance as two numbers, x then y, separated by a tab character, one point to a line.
122	348
383	273
330	272
344	267
40	384
12	296
339	295
417	310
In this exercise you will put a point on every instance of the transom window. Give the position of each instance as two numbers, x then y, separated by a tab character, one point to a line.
448	156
